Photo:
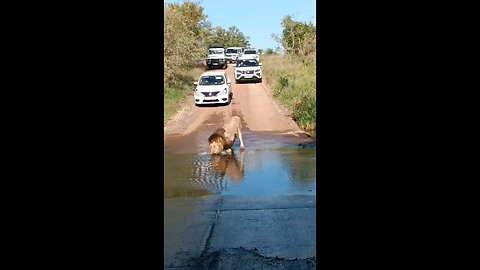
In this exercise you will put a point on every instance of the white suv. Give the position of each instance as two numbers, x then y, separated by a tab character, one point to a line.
232	54
213	87
248	69
251	52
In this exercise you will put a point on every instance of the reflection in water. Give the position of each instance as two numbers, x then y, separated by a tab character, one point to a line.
189	175
229	165
284	171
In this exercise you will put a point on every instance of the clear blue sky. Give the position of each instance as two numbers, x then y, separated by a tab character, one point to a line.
257	19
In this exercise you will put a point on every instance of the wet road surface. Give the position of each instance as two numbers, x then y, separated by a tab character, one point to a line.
252	210
260	228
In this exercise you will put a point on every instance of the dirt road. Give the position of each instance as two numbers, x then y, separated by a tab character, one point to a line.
251	101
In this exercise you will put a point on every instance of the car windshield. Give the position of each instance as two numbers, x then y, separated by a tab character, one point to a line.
250	52
215	52
232	51
211	80
247	63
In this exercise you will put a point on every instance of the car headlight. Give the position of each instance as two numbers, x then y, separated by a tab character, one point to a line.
258	70
224	91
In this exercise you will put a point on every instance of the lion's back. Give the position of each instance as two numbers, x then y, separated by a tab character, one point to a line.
237	122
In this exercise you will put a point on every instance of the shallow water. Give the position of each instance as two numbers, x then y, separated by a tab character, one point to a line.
278	170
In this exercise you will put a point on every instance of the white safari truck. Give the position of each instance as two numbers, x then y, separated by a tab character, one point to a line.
216	57
233	53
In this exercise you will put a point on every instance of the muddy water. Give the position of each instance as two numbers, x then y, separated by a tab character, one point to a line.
271	164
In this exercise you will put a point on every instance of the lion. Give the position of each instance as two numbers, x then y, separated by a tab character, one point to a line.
223	138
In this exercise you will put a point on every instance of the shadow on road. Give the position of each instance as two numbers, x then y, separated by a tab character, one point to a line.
247	82
213	105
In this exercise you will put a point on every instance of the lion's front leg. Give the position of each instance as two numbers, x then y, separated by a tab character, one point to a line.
239	131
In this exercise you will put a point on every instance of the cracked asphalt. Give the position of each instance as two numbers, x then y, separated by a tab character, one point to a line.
240	232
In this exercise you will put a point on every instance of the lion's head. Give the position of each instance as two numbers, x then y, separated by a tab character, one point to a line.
217	141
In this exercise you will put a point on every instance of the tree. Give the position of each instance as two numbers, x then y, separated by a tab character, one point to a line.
298	38
183	34
187	35
270	51
230	38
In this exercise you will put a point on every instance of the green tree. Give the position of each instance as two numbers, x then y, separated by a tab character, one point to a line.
183	37
270	51
298	38
230	38
187	35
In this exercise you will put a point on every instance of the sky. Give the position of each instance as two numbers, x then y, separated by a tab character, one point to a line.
257	19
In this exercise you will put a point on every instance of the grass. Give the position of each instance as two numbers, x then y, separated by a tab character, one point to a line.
176	92
294	85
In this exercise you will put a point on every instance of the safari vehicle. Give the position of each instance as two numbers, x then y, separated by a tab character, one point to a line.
248	69
216	57
232	54
213	87
252	52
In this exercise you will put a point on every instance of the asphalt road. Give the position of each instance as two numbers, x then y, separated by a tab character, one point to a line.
240	232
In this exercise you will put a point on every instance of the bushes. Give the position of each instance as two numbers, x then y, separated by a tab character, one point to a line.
305	111
294	85
176	92
293	76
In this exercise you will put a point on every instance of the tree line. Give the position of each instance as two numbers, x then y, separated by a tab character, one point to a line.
298	39
187	35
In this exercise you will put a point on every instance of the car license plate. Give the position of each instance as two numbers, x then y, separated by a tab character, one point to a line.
215	63
248	76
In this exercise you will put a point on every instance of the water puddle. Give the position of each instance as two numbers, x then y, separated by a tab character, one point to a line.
269	166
